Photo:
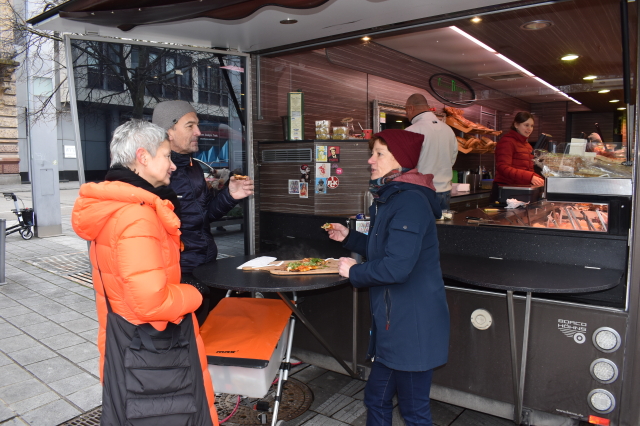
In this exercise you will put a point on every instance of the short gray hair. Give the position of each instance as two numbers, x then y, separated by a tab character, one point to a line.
130	136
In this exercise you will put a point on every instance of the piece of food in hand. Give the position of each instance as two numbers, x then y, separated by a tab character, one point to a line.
241	177
327	226
306	264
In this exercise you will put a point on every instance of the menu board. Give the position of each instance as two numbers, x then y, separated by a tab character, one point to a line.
296	119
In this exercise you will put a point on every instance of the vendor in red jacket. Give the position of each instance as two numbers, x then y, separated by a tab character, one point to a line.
514	160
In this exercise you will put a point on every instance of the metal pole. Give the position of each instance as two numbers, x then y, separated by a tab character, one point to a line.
517	408
354	343
74	108
3	249
525	347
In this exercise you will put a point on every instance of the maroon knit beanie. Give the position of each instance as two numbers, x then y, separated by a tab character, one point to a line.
405	146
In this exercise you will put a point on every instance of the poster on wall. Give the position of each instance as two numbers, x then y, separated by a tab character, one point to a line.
323	170
321	185
321	153
294	186
304	189
334	154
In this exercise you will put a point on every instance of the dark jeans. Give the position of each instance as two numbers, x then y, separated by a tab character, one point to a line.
413	389
444	198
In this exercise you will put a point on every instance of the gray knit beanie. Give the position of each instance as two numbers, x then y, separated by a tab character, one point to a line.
167	113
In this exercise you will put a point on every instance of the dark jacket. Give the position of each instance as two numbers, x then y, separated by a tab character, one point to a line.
514	160
410	316
199	206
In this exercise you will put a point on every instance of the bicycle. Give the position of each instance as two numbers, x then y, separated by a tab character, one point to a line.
25	218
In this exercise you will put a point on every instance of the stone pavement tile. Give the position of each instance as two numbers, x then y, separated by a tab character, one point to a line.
13	373
57	292
26	319
320	395
70	298
67	315
309	373
443	413
63	340
23	390
53	369
474	418
361	421
4	360
304	417
18	291
92	366
34	354
6	413
17	343
91	314
35	301
83	307
52	414
51	308
351	412
321	420
16	421
89	398
396	419
359	395
334	404
74	383
7	302
80	325
89	293
353	387
81	352
331	381
91	335
15	311
43	330
7	330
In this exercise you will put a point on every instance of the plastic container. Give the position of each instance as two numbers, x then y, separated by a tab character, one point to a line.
246	381
340	133
323	129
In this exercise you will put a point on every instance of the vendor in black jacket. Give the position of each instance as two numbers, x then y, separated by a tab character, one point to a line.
199	205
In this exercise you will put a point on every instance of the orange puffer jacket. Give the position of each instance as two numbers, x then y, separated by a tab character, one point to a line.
514	160
137	246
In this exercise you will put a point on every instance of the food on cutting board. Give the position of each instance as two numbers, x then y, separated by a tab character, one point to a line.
306	264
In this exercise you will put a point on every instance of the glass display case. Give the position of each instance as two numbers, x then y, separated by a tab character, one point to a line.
575	216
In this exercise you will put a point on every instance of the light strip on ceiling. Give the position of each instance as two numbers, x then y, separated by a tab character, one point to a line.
509	61
475	40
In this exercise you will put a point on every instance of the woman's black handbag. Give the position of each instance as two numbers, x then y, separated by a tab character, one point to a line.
151	377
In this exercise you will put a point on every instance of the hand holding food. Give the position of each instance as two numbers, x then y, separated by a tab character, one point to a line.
345	265
240	187
337	232
327	226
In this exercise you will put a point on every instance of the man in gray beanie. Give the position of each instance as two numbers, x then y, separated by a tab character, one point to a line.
199	204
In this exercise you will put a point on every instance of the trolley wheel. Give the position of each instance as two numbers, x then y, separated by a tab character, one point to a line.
26	234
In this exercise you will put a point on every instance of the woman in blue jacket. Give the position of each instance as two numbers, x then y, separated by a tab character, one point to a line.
410	317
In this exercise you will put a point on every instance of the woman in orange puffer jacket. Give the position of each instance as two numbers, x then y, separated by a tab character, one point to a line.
136	250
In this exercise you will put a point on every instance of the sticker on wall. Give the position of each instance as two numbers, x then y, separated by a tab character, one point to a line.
323	170
332	182
321	153
304	189
294	186
362	226
321	185
334	154
339	171
383	117
304	173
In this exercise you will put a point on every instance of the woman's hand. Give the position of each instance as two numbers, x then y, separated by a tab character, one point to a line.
240	189
338	232
345	265
537	181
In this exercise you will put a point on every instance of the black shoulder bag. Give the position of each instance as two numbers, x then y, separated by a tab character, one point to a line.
151	377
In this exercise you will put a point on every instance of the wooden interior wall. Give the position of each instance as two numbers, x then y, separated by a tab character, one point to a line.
585	122
550	118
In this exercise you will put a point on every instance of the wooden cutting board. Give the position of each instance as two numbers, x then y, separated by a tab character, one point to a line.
330	268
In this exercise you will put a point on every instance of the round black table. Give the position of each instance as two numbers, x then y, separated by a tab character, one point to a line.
224	273
530	277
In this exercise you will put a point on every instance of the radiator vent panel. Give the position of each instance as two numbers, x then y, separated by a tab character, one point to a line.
300	155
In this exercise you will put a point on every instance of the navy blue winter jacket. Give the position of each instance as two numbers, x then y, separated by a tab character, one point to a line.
199	206
410	316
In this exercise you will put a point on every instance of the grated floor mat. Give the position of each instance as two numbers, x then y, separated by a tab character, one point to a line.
90	418
63	264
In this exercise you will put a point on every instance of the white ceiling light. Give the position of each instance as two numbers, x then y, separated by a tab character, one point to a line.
289	21
539	24
604	91
473	39
570	57
504	58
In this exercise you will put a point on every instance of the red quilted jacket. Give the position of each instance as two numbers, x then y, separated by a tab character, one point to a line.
514	161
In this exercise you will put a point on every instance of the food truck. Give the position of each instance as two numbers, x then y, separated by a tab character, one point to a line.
545	299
